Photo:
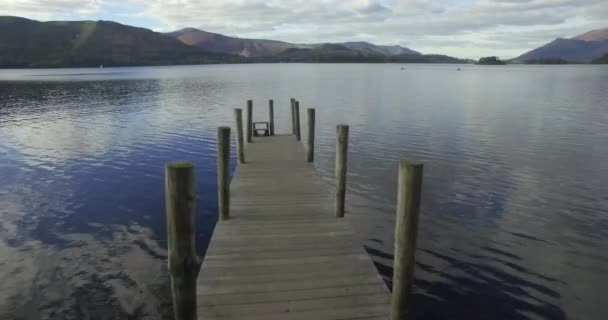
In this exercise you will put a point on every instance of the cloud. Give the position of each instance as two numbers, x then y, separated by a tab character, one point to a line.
369	7
423	25
118	270
420	24
39	9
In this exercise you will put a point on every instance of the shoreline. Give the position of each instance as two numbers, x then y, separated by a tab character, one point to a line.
321	63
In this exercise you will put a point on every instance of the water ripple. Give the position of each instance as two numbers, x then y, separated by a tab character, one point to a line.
513	222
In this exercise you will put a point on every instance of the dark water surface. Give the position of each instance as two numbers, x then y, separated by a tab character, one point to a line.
514	221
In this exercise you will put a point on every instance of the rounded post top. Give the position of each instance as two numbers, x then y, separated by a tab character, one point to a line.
180	165
223	128
342	125
410	163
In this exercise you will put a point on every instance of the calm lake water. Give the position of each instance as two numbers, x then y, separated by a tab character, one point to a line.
514	221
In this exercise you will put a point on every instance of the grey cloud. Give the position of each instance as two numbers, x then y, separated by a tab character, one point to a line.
597	10
373	7
39	9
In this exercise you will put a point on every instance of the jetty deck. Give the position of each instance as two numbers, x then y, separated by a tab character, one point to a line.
283	254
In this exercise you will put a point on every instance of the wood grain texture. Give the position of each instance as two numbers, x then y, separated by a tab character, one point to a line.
406	229
180	199
341	168
310	142
283	254
223	172
249	120
240	145
297	120
271	116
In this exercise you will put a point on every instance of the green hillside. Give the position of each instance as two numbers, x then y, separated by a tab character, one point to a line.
331	53
334	53
425	58
29	43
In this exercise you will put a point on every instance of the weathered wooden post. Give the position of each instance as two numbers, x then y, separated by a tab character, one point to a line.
297	112
180	200
223	172
271	116
240	147
341	158
249	120
293	116
406	228
310	150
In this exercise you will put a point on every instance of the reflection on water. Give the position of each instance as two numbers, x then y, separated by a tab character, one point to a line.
513	222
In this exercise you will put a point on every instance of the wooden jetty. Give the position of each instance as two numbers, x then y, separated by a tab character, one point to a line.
283	254
283	248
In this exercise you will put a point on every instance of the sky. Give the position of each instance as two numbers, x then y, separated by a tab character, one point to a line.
461	28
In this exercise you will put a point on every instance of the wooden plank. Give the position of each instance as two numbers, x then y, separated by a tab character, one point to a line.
244	298
315	273
286	285
361	312
296	305
283	254
246	271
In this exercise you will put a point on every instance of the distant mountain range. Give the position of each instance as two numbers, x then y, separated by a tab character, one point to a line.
259	47
216	42
26	43
582	48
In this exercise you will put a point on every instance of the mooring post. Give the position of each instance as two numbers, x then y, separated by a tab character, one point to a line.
180	200
223	172
249	120
341	158
310	151
293	116
271	116
406	229
240	147
297	112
